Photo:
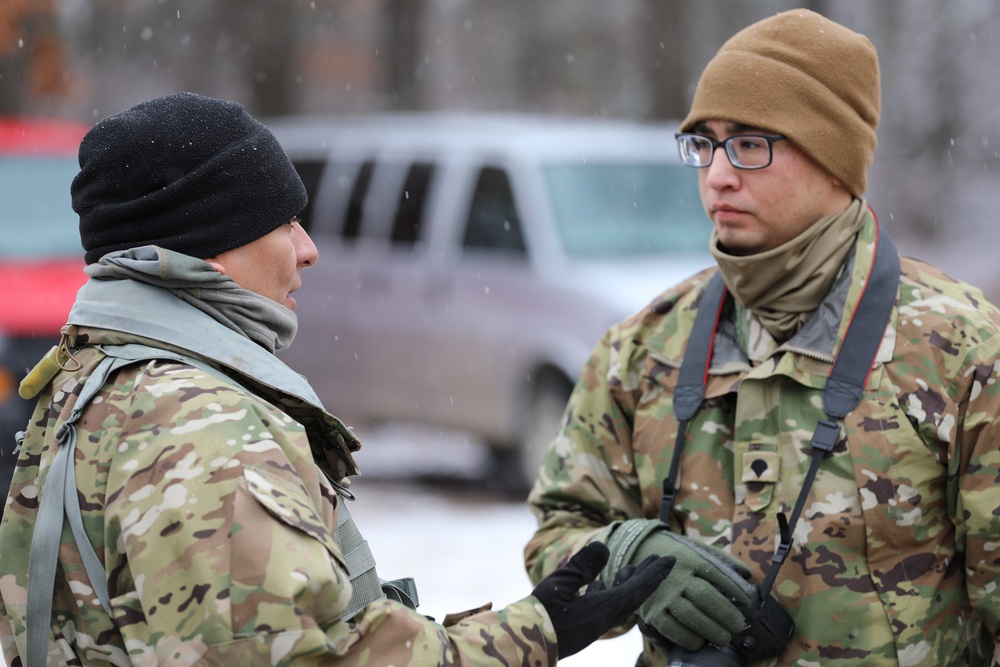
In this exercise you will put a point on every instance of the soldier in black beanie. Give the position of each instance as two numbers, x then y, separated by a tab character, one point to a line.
184	172
203	482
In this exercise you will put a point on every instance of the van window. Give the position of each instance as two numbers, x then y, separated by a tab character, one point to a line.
410	212
493	222
310	171
36	196
356	204
619	208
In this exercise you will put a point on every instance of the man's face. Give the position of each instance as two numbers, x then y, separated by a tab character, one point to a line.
272	265
761	209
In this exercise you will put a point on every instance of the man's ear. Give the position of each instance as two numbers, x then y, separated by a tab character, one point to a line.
216	265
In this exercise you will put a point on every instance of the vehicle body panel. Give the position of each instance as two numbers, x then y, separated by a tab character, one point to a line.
436	324
41	259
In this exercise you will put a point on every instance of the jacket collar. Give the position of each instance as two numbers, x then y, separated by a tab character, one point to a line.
821	336
149	312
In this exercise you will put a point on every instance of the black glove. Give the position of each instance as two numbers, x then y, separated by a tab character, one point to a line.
579	620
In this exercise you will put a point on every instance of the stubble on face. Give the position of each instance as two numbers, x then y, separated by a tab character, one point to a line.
757	210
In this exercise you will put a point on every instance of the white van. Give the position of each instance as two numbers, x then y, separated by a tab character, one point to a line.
469	264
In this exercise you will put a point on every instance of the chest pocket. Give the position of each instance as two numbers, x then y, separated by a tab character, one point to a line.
759	473
275	523
777	418
290	504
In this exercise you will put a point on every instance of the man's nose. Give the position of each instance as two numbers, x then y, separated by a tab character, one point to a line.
305	249
721	172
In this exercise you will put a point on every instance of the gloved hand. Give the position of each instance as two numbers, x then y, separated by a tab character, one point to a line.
579	620
698	601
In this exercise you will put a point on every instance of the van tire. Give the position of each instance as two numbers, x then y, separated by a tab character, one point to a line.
515	466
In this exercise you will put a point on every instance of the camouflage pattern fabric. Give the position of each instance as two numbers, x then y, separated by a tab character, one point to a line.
216	529
896	557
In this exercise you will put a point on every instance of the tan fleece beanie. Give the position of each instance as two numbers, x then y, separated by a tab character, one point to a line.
801	75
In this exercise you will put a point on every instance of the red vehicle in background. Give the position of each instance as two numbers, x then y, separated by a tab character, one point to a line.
41	260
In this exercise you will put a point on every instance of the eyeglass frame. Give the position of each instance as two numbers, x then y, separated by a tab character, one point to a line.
727	145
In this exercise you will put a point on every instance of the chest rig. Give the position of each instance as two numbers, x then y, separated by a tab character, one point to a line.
841	393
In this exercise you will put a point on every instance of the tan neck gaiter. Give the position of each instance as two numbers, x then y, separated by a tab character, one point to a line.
784	286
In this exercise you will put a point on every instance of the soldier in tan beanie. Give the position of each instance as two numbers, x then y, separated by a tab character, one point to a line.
861	506
803	76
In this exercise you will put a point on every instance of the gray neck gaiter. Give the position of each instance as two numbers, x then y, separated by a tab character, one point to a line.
266	322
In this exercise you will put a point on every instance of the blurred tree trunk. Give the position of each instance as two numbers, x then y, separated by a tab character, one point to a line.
32	61
532	55
663	57
270	30
923	89
402	53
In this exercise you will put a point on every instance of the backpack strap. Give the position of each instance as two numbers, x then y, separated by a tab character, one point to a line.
845	384
61	502
841	392
692	378
367	585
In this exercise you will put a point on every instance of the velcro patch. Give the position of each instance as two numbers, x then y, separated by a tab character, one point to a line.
761	466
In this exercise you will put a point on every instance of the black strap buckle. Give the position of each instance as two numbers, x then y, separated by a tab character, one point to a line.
781	553
667	500
826	435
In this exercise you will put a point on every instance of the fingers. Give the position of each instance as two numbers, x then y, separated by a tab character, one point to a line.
729	588
589	561
690	630
651	572
633	586
679	634
652	567
698	614
714	605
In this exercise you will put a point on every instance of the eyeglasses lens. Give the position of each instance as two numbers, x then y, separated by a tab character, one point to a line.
744	151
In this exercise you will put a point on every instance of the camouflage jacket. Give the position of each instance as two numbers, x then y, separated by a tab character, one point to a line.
215	524
896	557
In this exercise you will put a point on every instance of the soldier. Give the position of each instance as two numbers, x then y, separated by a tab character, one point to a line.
895	556
202	482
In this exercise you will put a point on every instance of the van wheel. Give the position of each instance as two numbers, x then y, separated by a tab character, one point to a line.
514	467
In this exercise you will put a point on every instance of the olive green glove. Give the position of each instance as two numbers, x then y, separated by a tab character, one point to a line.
699	599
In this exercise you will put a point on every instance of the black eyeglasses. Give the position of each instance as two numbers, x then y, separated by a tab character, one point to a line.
745	151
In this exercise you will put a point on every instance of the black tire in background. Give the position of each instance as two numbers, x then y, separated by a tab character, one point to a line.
513	468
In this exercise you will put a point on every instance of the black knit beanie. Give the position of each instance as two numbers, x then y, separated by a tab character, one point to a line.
184	172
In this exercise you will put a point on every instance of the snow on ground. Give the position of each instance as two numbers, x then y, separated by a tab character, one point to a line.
463	551
462	544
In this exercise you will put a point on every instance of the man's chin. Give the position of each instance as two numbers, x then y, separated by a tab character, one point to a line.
738	247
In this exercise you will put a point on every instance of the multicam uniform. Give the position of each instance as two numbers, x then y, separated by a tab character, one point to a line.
896	557
215	525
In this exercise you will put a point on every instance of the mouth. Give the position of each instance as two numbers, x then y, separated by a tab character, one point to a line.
290	301
726	213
